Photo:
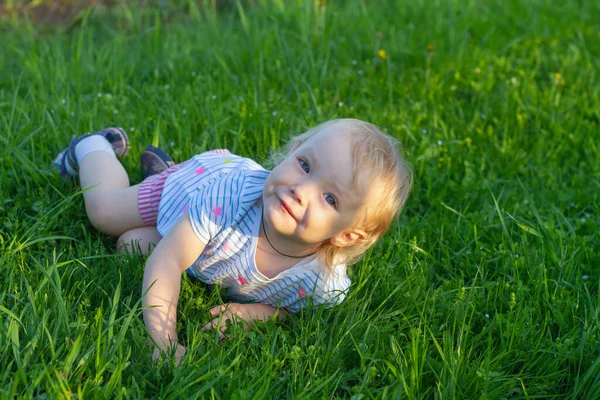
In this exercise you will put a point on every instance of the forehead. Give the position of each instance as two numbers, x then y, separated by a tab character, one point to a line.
333	147
331	136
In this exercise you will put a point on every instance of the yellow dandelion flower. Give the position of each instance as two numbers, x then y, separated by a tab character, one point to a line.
430	47
557	76
382	54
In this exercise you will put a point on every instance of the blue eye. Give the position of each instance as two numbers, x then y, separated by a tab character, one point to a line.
304	165
330	199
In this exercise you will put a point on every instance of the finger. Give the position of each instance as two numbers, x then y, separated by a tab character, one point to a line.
219	323
215	311
221	316
156	354
223	327
210	325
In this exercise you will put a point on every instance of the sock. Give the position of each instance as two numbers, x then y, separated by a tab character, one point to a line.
91	144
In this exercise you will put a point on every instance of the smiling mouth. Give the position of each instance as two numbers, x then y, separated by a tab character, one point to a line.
286	208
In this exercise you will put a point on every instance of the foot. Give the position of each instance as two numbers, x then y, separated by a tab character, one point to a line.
66	162
154	161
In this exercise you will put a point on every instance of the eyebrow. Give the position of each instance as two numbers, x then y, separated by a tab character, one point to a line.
337	187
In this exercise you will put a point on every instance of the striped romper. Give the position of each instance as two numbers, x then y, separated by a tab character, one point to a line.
223	194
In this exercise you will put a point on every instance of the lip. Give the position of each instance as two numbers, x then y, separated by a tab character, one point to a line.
286	208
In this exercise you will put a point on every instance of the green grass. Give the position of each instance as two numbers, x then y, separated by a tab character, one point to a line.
487	286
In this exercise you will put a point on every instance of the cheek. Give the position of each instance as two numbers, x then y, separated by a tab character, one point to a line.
269	181
277	174
324	217
273	179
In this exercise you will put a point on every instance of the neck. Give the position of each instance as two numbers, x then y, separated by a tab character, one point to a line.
282	250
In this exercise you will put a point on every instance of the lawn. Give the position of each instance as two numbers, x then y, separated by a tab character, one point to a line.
486	287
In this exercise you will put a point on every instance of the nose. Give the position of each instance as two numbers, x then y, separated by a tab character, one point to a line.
301	192
297	194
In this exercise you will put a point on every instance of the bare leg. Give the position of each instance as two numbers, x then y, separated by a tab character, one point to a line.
111	204
138	240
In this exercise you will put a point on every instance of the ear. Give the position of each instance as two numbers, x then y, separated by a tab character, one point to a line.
349	238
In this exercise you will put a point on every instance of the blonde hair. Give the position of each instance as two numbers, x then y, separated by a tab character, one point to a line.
381	156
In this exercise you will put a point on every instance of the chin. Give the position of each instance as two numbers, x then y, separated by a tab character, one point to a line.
273	219
280	226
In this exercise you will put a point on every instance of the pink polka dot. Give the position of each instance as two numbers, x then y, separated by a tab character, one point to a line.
242	280
200	171
186	208
301	292
217	210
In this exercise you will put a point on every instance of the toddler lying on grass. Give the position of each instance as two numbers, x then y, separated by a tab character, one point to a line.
276	240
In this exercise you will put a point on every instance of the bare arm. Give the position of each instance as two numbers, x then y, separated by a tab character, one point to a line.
162	281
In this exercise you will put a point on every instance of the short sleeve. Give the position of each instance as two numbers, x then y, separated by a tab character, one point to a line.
214	205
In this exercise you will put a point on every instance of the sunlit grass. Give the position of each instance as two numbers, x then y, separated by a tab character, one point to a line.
487	287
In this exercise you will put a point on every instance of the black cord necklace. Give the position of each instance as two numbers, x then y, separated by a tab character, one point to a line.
262	220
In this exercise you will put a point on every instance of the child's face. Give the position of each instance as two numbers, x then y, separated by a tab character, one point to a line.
311	197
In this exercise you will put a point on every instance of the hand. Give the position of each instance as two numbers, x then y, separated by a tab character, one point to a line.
179	353
240	312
